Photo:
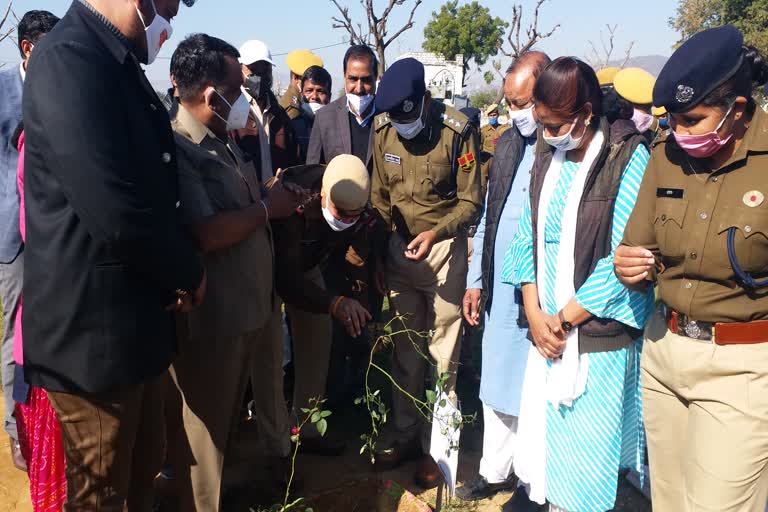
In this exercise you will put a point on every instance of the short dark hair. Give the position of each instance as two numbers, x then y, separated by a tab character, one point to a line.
318	75
566	85
359	52
34	25
198	61
615	107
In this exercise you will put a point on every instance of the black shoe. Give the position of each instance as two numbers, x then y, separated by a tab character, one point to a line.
520	502
479	489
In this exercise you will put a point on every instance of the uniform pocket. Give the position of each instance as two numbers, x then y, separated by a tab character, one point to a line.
668	225
438	182
750	238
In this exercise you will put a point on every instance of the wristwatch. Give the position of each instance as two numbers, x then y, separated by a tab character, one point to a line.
565	325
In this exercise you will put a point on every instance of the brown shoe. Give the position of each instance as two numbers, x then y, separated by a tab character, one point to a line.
17	457
396	454
428	475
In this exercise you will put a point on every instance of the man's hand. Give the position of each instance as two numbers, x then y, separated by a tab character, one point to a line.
471	306
281	203
352	315
548	343
632	264
186	302
421	246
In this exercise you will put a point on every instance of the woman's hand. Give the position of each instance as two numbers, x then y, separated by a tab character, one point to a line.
544	330
632	264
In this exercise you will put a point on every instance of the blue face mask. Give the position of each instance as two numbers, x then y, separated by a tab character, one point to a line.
493	121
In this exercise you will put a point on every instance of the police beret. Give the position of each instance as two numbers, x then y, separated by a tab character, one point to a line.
401	88
473	114
605	76
493	107
299	60
635	85
698	67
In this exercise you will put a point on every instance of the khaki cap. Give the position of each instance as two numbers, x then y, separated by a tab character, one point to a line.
346	182
299	60
605	76
493	107
635	85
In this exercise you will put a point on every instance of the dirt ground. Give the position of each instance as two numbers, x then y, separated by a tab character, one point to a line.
316	475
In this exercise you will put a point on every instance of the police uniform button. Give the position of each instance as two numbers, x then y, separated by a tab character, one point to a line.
703	216
688	286
166	158
694	255
747	229
663	216
714	179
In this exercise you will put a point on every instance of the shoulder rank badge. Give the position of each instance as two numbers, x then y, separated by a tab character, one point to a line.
467	161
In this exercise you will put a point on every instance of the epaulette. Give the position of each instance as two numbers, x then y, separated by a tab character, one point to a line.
454	120
663	137
381	120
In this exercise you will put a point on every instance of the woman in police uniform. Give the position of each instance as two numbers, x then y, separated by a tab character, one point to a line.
700	232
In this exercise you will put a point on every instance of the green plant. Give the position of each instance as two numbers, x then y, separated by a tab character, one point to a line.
377	410
315	415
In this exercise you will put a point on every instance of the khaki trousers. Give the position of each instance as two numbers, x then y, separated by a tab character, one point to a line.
311	334
706	414
211	375
113	444
428	294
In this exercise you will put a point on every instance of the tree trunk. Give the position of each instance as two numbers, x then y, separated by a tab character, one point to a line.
382	59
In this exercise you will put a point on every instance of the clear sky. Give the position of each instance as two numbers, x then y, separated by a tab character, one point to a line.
287	25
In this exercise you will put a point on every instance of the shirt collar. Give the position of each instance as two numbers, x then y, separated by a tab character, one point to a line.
113	39
755	139
197	131
253	101
22	71
366	119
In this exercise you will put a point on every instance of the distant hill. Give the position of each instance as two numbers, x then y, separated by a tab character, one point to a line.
650	63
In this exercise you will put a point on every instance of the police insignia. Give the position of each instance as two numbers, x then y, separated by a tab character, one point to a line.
467	161
684	93
407	106
753	198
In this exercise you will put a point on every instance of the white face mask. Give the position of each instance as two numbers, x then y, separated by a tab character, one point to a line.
524	121
410	130
334	223
311	108
158	32
359	104
238	112
565	142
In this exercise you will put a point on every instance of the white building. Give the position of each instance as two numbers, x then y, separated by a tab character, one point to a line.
443	77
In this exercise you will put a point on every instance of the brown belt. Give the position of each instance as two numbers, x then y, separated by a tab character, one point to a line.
735	333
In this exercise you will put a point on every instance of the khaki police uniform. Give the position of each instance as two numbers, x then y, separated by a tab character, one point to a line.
490	134
406	175
291	102
706	400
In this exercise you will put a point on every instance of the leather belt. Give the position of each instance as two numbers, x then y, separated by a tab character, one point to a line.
719	333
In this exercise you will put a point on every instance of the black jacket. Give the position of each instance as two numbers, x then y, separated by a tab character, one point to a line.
510	148
104	252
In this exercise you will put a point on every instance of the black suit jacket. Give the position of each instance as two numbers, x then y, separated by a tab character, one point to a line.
104	253
331	136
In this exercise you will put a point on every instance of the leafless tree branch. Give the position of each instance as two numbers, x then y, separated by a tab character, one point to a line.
600	59
533	35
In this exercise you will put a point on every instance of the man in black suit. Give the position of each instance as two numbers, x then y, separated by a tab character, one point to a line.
345	126
107	264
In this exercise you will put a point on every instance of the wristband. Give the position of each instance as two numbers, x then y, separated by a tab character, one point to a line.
336	305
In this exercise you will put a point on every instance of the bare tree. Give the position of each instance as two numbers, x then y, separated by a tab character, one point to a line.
518	45
6	32
375	34
601	58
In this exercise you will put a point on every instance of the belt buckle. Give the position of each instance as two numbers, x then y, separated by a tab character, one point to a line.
692	330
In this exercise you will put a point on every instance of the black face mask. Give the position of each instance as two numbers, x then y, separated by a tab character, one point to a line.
258	86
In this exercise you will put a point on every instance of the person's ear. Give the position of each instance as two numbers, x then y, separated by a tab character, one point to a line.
739	107
588	112
211	99
26	48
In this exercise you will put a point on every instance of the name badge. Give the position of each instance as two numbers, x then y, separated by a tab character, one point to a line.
392	159
671	193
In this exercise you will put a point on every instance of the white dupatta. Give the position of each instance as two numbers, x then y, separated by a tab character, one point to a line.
563	382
